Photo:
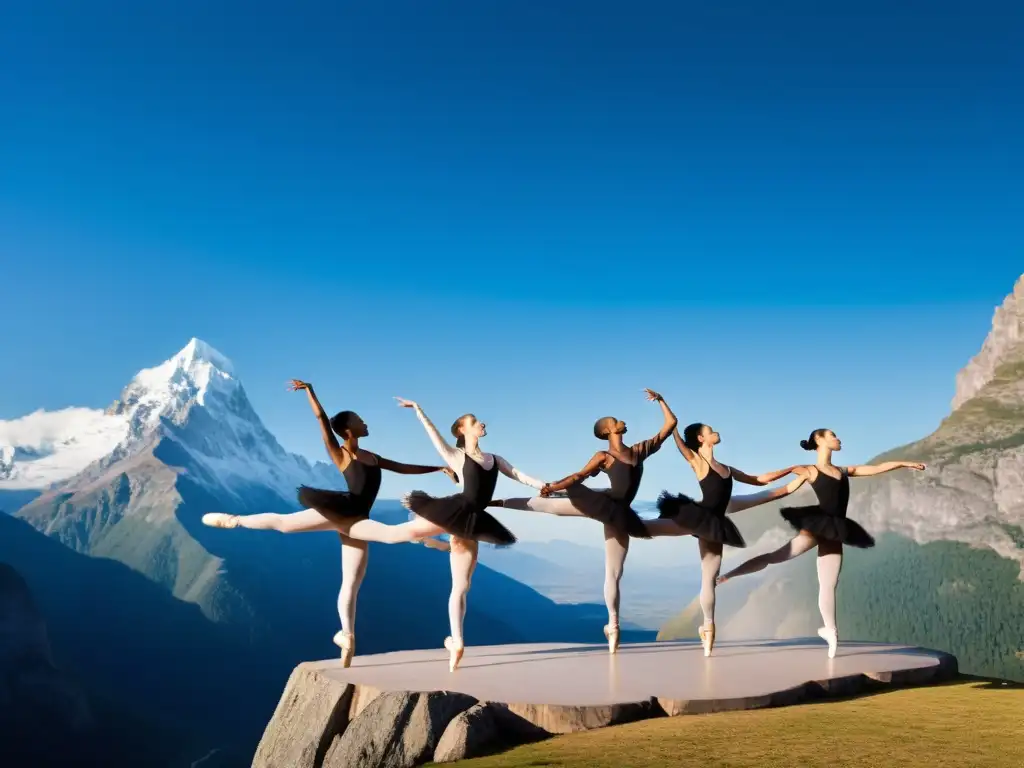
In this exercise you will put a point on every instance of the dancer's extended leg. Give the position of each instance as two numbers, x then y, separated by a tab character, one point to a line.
354	558
710	564
562	507
415	529
801	543
616	547
304	521
463	562
830	563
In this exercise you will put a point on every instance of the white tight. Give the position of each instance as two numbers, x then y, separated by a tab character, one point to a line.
830	563
354	558
354	553
463	562
557	505
710	562
354	538
710	565
616	546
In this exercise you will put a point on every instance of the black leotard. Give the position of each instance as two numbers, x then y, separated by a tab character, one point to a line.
463	514
612	506
363	481
827	519
705	518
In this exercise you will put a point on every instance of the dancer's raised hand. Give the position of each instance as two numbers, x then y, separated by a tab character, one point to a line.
915	465
653	396
450	474
297	384
403	403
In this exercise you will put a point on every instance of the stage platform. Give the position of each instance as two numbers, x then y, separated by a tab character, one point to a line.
531	691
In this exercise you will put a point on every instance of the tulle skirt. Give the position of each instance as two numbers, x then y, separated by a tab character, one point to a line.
459	516
337	506
703	522
822	525
599	505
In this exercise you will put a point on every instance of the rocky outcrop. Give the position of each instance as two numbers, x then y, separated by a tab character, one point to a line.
1004	342
323	721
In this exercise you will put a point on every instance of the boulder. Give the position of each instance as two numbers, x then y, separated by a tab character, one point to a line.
312	711
471	733
398	729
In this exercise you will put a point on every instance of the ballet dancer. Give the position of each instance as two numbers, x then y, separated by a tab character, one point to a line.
462	516
335	510
824	525
624	466
679	515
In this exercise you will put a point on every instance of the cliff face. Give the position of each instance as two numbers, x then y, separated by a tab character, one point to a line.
1005	342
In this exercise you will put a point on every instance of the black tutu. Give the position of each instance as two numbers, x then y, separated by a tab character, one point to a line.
828	527
600	506
703	522
334	505
458	516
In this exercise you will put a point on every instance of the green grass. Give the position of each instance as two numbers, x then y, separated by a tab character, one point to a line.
963	723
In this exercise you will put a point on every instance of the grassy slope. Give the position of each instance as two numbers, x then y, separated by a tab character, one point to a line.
966	723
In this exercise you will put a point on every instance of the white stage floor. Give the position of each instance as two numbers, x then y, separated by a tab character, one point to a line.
575	675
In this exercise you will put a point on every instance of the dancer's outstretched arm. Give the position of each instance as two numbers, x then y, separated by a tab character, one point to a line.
413	469
740	503
868	470
450	454
339	456
651	445
592	468
765	479
509	471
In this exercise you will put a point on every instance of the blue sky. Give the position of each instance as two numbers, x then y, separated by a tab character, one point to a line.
781	216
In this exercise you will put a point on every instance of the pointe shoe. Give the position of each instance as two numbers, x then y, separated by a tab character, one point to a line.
220	520
707	638
347	642
438	544
831	637
612	635
454	653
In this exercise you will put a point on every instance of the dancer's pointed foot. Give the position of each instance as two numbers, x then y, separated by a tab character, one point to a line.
831	637
707	638
438	544
612	634
455	651
347	642
220	520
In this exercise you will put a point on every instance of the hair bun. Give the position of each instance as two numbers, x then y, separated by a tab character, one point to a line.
805	445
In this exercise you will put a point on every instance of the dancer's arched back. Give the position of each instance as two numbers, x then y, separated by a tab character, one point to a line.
624	466
462	516
679	515
824	525
335	510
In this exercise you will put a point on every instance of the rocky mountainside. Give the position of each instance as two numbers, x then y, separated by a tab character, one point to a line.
47	717
961	522
130	484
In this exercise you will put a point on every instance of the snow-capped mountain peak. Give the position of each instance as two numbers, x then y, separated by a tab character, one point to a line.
192	375
192	399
